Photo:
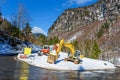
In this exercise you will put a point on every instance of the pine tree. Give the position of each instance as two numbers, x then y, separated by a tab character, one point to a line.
95	50
53	40
27	30
88	44
75	43
42	39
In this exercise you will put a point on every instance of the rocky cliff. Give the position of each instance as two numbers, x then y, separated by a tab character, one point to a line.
100	21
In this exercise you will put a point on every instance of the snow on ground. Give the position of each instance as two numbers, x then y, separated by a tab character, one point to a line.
60	64
115	61
6	49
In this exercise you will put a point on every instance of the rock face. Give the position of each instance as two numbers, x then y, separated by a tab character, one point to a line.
87	22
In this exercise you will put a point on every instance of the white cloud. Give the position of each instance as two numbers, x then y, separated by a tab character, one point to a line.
38	30
81	1
78	2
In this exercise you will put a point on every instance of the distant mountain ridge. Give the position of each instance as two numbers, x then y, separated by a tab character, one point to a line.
38	30
38	34
100	21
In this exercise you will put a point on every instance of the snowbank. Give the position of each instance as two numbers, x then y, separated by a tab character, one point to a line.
115	61
60	64
6	49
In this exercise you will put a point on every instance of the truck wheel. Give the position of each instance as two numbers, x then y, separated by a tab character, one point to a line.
40	53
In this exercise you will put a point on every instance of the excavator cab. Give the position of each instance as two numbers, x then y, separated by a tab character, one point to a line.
77	54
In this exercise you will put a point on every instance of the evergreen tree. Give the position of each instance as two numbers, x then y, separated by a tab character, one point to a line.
53	40
88	44
95	50
75	43
27	30
104	28
100	32
15	31
50	41
42	39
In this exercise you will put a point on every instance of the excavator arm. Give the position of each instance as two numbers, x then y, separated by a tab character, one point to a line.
71	47
60	46
68	45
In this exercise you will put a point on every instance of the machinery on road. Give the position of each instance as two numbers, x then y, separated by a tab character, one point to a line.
45	50
74	55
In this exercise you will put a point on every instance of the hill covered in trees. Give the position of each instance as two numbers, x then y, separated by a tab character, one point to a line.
16	35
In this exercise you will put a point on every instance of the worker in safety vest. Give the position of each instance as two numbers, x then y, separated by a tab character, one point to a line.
54	49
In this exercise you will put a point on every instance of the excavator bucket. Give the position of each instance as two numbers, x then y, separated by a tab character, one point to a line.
51	58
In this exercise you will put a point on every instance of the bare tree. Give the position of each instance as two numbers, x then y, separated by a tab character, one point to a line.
22	17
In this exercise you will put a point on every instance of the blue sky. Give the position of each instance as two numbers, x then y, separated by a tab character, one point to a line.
42	13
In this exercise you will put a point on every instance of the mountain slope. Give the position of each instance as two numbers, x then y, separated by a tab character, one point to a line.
100	22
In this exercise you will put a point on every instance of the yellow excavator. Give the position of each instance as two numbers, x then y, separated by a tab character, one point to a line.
74	55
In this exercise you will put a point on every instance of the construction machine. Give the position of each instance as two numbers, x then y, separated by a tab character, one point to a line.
74	55
45	50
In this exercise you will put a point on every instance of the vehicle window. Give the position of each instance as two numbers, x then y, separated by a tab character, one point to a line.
45	47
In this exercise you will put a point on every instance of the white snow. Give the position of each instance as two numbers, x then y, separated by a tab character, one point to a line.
115	60
75	36
100	17
6	49
38	30
60	64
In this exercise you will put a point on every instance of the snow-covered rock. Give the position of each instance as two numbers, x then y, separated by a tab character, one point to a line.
60	64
